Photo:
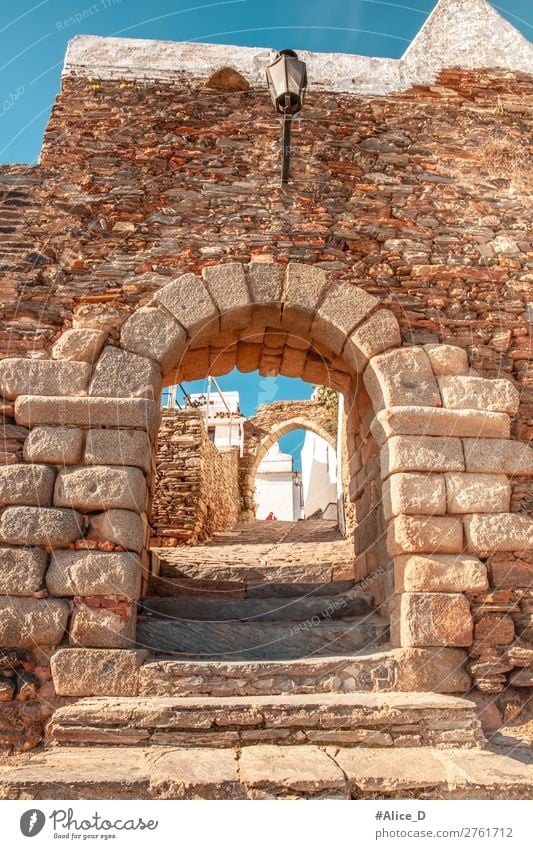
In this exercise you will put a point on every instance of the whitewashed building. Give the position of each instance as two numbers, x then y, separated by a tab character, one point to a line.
278	487
319	477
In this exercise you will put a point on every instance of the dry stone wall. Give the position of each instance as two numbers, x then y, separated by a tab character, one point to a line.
196	489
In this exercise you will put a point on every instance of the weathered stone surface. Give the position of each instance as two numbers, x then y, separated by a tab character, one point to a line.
123	527
120	374
477	393
418	534
404	772
151	332
96	672
294	770
377	334
196	774
436	421
42	377
59	445
189	301
26	484
228	289
470	493
423	453
431	670
100	487
91	573
399	378
432	619
340	311
447	359
227	79
101	628
265	281
422	494
98	412
82	345
507	456
439	573
40	526
490	532
29	622
120	447
304	286
21	570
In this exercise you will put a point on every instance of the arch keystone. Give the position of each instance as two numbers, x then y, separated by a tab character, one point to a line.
228	288
304	287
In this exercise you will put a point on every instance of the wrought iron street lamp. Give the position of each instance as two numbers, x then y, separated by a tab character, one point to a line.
287	82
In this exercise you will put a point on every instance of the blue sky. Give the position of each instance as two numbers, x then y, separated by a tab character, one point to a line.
34	36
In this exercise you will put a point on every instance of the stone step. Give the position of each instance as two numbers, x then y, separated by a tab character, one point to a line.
282	571
171	586
261	640
367	719
262	609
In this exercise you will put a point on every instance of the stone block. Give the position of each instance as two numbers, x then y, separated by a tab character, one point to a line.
489	532
377	334
30	622
436	421
97	412
447	359
90	573
506	456
21	570
304	287
25	483
433	619
401	378
42	377
120	447
123	527
265	282
422	494
189	301
82	345
421	534
431	670
229	290
153	333
421	454
471	493
96	672
119	374
61	446
102	628
439	573
341	310
40	526
101	487
463	392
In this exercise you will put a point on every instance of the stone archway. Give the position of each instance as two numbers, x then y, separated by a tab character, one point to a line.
93	412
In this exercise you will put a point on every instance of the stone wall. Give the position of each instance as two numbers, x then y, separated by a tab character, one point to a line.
196	490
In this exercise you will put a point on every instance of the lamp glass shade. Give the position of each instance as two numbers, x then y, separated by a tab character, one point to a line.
287	81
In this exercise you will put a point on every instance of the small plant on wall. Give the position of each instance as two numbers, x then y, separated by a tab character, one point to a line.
330	400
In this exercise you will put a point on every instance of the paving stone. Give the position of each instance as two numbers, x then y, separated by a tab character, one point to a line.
30	622
391	774
447	359
445	573
123	527
118	447
42	377
52	527
422	494
196	774
189	301
26	484
489	532
21	570
82	345
61	446
423	454
101	487
402	377
377	334
96	672
433	619
421	534
479	393
228	288
97	412
436	421
102	628
289	772
153	333
471	493
120	374
340	311
92	573
507	456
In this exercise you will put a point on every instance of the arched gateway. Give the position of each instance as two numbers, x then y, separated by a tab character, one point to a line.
429	445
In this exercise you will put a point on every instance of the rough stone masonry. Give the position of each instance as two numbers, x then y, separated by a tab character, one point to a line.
152	242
